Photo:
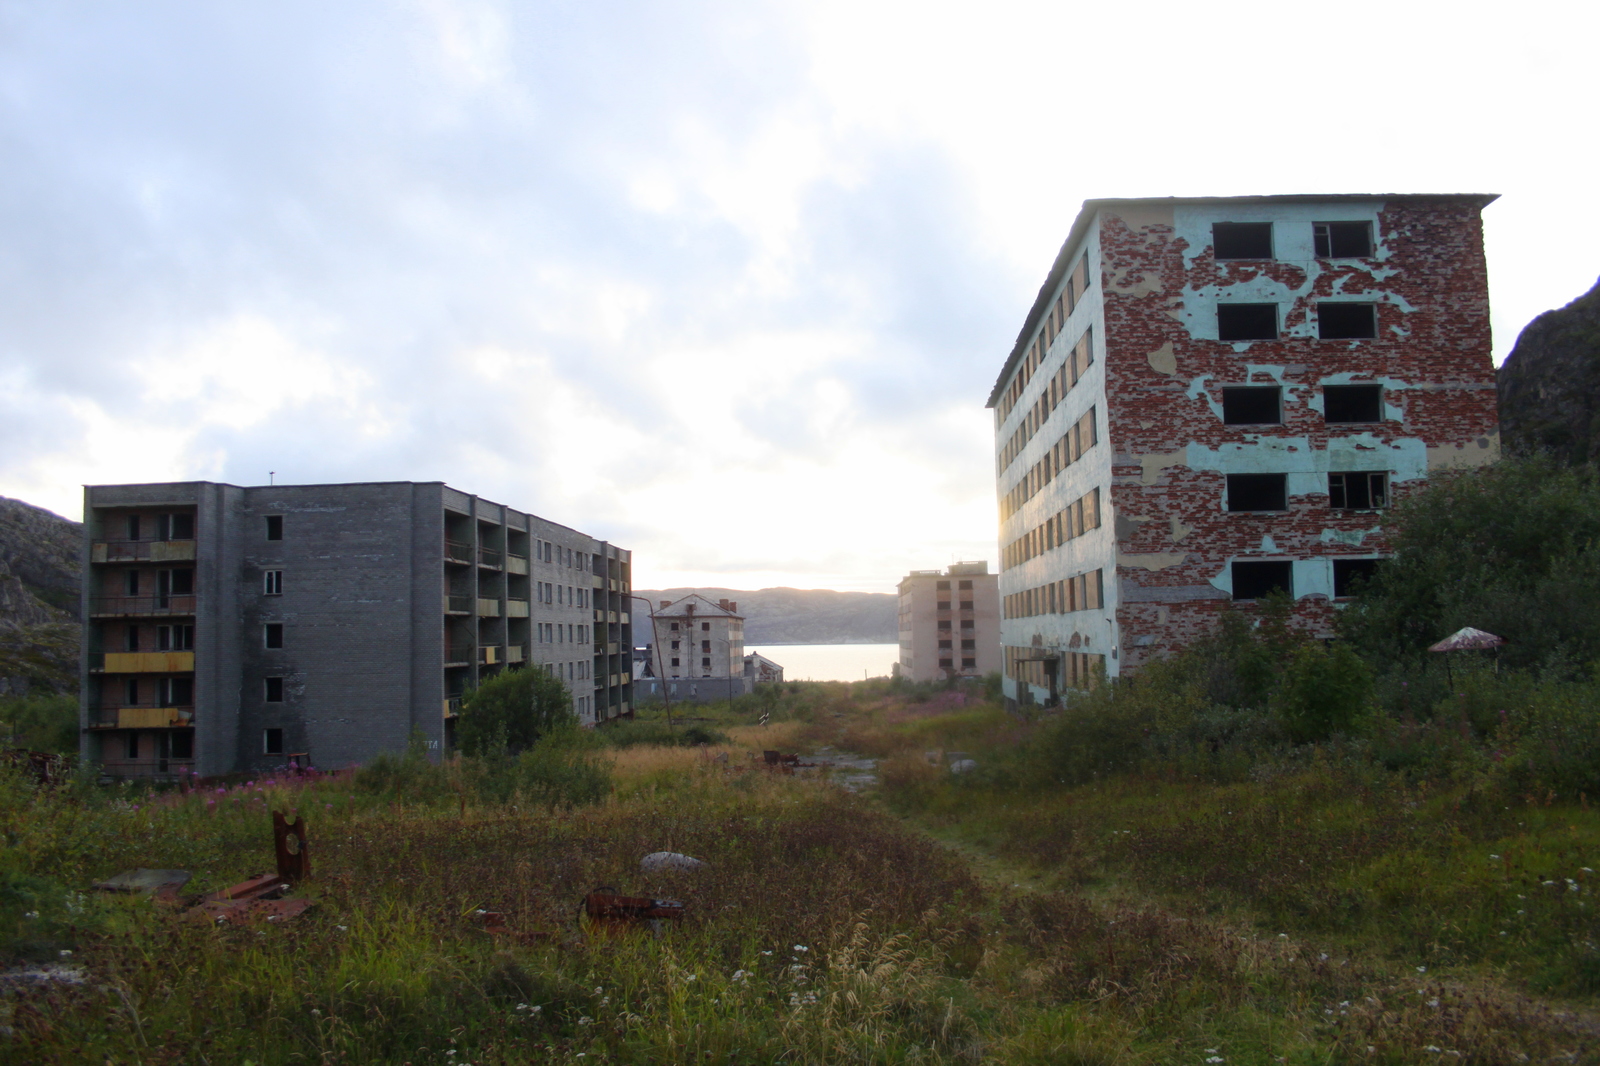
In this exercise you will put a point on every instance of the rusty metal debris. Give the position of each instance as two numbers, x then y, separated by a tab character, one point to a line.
294	864
44	767
610	913
161	883
777	760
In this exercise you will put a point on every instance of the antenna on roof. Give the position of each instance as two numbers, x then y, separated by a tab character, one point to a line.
272	477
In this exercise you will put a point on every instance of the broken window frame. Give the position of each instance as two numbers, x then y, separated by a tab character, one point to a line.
274	526
1234	241
1358	490
1240	415
1255	569
1347	394
1330	240
272	741
272	689
1337	313
1245	489
1232	319
1352	569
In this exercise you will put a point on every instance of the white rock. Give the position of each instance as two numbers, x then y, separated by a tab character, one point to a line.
668	860
963	766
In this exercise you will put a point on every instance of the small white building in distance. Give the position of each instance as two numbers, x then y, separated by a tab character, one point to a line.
698	650
949	623
759	669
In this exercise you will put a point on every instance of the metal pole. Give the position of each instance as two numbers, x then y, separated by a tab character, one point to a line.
655	643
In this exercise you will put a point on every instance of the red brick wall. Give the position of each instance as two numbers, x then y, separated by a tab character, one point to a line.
1440	275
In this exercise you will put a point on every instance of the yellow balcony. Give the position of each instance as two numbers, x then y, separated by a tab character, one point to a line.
141	551
516	608
488	608
154	717
516	564
146	662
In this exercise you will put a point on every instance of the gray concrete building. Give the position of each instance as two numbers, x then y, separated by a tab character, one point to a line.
233	628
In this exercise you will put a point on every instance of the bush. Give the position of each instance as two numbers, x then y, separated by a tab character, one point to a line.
558	771
1324	691
508	713
41	722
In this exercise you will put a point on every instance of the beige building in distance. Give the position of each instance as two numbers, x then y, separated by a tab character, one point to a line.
697	650
949	623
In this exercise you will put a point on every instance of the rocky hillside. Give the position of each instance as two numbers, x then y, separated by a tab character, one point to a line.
794	616
1550	384
38	598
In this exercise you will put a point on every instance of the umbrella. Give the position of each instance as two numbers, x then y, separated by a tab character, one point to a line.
1468	639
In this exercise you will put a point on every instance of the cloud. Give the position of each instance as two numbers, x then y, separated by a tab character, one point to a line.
726	283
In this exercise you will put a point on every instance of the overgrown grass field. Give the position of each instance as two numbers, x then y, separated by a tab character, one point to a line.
1312	909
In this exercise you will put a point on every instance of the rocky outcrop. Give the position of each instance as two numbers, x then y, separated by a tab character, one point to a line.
794	616
1550	384
39	576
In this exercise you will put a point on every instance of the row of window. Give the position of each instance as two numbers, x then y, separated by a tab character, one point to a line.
167	638
1073	521
1349	490
1074	669
1061	382
169	691
944	586
944	605
967	663
1262	405
177	526
1086	592
966	645
1336	321
168	582
1078	439
562	595
1253	240
556	633
705	627
705	645
1055	320
1255	578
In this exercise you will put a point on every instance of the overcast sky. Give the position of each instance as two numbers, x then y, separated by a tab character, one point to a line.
726	283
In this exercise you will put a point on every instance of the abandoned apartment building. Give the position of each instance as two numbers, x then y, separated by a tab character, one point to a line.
1214	398
696	651
949	623
232	629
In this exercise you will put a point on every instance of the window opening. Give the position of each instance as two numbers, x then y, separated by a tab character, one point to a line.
1352	403
1253	580
133	527
1242	240
272	634
1252	405
1342	240
274	527
1349	574
272	582
272	691
1258	492
1358	491
1247	322
1347	322
272	742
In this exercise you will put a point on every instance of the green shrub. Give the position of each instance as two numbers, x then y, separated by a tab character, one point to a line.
41	722
1324	690
509	712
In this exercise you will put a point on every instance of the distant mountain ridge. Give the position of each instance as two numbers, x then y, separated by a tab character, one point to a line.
793	616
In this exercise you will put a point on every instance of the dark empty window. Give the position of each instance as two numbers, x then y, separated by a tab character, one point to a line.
942	586
944	645
181	582
130	582
1248	405
183	743
1247	322
133	527
272	741
944	625
963	585
705	645
1346	322
274	689
969	645
133	745
705	627
1251	581
944	605
177	527
1352	403
966	605
705	663
1343	240
1348	574
131	643
272	634
1358	491
274	527
969	664
1242	240
675	661
1258	492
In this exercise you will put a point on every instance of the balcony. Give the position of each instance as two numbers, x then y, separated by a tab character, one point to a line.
458	656
141	662
490	558
141	606
141	716
516	608
516	653
488	656
488	608
456	551
141	551
452	706
516	564
457	604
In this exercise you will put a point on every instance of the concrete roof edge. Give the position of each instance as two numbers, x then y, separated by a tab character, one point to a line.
1091	207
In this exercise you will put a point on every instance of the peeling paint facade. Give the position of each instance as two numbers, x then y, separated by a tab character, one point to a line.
1265	375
